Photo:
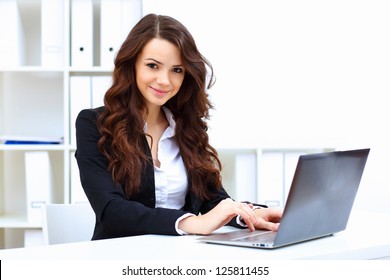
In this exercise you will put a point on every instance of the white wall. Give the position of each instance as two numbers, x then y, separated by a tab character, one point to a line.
298	73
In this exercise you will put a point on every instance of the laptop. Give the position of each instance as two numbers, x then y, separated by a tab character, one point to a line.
319	202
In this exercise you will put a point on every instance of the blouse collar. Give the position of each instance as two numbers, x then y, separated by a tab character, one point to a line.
170	130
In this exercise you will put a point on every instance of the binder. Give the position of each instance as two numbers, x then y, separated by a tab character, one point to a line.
82	33
131	13
52	26
100	85
38	183
245	172
80	98
12	36
110	31
117	18
77	194
270	172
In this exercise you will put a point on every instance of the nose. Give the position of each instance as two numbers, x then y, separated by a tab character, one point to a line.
163	78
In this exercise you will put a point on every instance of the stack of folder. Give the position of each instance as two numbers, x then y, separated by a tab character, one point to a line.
85	92
117	18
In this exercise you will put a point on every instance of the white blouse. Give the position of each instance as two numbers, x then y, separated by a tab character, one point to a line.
171	181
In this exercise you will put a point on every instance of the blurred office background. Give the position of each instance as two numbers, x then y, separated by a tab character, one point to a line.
298	74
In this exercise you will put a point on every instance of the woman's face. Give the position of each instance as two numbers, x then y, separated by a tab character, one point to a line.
159	72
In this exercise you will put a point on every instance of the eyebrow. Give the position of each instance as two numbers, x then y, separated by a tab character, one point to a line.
159	62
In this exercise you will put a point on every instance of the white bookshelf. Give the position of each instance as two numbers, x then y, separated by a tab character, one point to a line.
35	103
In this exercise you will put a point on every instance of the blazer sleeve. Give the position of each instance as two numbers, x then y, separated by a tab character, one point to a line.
115	215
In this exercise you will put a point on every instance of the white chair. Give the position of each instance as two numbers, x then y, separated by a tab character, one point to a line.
64	223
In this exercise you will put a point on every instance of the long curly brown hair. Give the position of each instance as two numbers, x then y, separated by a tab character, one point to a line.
121	124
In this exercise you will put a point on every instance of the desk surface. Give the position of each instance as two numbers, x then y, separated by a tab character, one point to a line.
367	237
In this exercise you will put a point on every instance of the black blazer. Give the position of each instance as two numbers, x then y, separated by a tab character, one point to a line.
115	215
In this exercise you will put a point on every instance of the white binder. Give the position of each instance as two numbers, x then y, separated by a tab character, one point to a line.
12	36
110	31
117	18
245	173
52	26
38	183
100	85
270	176
131	13
80	98
82	33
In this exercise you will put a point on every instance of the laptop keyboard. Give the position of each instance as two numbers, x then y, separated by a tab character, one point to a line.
262	237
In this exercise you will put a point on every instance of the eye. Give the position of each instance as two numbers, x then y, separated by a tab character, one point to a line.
152	65
178	70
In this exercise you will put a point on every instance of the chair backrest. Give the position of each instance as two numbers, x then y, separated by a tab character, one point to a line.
64	223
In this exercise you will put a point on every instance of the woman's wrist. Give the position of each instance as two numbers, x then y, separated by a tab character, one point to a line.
188	225
193	225
177	224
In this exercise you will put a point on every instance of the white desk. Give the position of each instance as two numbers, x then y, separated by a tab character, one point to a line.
367	237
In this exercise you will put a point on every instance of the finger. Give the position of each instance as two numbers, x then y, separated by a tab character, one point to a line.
269	214
268	225
250	224
247	214
248	209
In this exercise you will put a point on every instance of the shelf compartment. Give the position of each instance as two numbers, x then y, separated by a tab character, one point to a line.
32	104
13	187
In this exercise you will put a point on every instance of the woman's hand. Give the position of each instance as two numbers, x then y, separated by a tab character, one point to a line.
219	216
227	209
268	218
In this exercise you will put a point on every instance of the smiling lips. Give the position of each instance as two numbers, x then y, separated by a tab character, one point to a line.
159	92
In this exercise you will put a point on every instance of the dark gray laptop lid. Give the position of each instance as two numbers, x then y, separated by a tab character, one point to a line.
321	197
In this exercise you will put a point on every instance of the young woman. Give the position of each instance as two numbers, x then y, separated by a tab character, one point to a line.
145	161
